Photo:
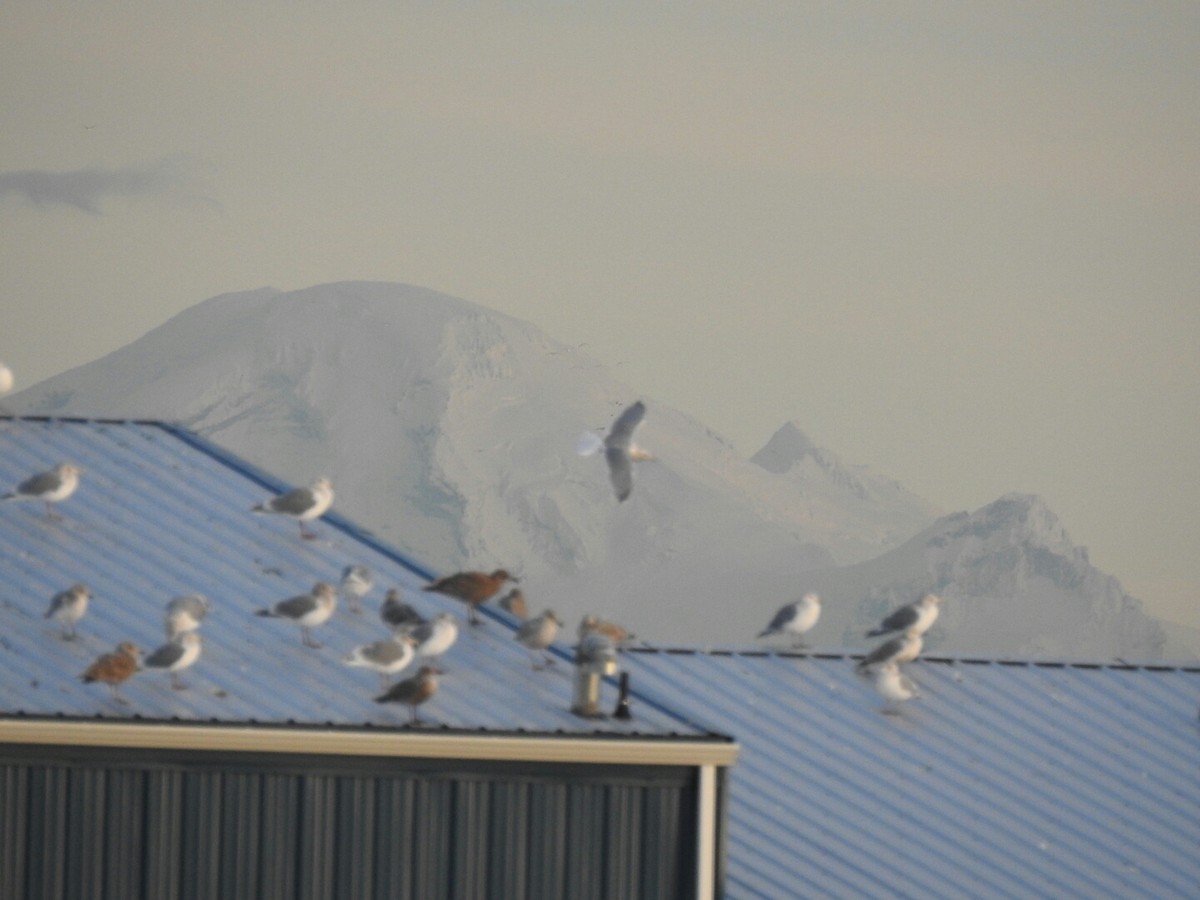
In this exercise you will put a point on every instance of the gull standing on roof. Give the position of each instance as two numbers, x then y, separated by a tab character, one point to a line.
920	614
537	634
894	686
175	656
614	632
357	582
301	504
387	657
435	637
619	449
68	607
53	486
514	602
796	619
114	668
903	648
185	614
414	691
472	588
398	615
306	610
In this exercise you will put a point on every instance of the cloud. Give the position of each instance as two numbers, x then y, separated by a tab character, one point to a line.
86	189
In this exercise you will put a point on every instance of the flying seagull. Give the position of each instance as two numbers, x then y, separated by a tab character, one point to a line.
796	619
53	486
905	647
306	610
185	614
894	686
472	588
68	607
387	657
175	656
356	583
301	504
920	614
537	634
6	381
114	668
414	691
619	449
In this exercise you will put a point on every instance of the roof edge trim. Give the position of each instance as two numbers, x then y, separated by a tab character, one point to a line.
341	742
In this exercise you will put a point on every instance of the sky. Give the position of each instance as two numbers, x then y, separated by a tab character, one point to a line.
957	243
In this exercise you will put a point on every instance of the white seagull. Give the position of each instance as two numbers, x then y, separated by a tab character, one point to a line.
894	686
387	657
306	610
920	615
301	504
905	647
619	449
435	637
185	614
796	619
53	486
175	656
356	583
537	634
68	607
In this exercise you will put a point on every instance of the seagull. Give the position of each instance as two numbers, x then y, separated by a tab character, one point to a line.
53	486
175	656
435	637
397	614
185	614
68	607
114	668
796	619
920	615
514	602
306	610
414	691
6	381
905	647
357	582
537	634
614	632
302	504
472	588
387	657
619	449
894	686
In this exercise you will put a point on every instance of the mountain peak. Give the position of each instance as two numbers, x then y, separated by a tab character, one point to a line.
787	446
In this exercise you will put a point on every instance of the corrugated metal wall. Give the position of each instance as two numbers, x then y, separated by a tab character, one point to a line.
175	826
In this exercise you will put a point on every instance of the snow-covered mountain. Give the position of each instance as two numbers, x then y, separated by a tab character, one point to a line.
450	430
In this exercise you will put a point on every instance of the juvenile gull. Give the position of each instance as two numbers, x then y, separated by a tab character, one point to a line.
472	588
619	449
185	614
387	657
68	607
537	634
114	668
53	486
414	691
905	647
175	656
796	619
435	637
614	632
397	614
894	686
357	582
920	614
306	610
301	504
514	602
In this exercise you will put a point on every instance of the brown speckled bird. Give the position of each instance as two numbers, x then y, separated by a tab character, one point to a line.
472	588
114	668
413	691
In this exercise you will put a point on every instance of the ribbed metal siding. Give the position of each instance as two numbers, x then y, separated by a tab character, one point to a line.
137	826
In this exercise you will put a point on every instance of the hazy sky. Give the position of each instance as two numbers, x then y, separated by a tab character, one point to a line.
957	242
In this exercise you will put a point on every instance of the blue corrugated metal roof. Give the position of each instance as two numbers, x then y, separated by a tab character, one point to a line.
1003	779
160	513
